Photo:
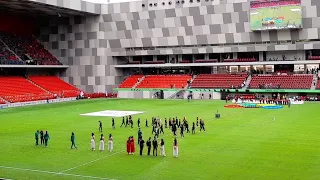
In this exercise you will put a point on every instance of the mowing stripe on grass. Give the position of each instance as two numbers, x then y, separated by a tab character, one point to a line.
56	173
90	162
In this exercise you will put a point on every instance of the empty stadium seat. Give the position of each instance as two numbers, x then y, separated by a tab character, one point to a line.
218	80
285	81
56	86
318	85
130	81
19	89
165	81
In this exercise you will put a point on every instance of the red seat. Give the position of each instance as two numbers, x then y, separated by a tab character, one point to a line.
130	81
56	86
218	80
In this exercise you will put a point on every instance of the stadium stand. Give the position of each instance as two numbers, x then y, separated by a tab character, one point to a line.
219	80
314	58
241	60
130	81
2	101
165	81
298	81
318	85
7	57
28	48
56	86
19	89
206	61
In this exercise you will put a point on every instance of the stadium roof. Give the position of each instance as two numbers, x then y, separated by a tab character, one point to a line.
38	7
108	1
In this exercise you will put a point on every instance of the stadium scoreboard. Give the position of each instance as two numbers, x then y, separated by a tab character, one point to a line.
275	14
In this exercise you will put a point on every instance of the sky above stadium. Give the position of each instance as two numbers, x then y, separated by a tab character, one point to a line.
108	1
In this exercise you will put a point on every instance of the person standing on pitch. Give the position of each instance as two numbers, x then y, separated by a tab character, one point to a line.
122	122
139	135
149	145
93	143
36	136
113	124
41	137
193	128
101	146
155	146
110	143
147	123
181	131
73	141
138	122
289	103
162	150
202	125
100	126
165	123
46	138
175	148
141	143
127	121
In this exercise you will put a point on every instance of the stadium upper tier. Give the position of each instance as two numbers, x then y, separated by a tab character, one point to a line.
26	49
303	81
219	81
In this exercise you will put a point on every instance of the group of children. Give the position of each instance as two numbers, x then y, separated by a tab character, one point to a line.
44	137
101	144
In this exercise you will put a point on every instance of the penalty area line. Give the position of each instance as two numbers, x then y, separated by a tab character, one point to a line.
55	173
90	162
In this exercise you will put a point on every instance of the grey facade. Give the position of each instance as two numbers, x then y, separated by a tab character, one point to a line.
88	43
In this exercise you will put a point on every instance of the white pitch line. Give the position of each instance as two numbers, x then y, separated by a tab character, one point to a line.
90	162
56	173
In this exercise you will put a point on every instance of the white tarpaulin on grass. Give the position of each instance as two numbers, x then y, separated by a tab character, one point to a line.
112	113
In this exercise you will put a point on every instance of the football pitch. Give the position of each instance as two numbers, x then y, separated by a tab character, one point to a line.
281	17
243	144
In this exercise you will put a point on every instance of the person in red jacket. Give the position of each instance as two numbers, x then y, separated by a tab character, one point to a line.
132	146
128	146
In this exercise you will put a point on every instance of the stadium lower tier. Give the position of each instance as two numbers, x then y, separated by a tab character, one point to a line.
221	81
19	89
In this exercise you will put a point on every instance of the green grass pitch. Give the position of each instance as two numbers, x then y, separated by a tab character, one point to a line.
243	144
293	18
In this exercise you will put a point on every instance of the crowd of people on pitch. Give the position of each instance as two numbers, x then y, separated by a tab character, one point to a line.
158	126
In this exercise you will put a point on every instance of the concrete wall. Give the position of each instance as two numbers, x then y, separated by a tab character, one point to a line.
87	44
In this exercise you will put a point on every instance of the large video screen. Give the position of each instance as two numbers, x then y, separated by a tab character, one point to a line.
275	14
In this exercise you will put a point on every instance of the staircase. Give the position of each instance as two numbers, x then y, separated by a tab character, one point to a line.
314	82
137	83
248	81
178	94
39	86
10	50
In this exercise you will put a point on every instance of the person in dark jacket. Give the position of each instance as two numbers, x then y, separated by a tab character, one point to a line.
149	145
155	146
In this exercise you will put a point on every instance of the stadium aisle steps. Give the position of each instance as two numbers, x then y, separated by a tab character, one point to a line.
18	89
130	81
55	85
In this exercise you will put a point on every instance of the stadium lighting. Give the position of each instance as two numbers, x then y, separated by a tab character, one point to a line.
295	9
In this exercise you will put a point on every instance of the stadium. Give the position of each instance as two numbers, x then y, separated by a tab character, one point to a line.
246	70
